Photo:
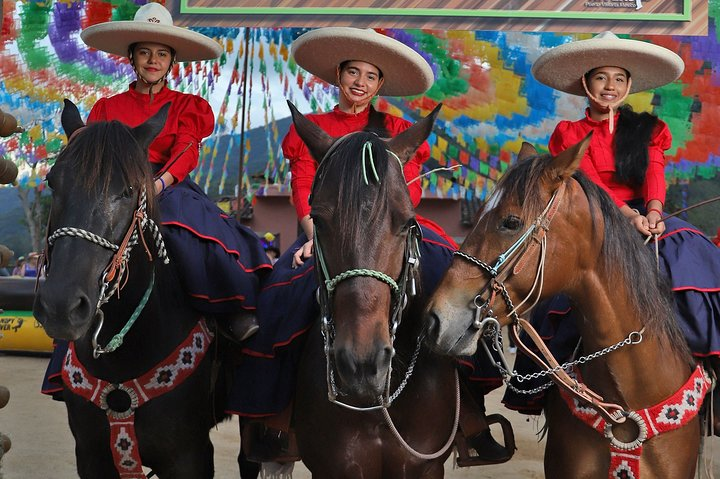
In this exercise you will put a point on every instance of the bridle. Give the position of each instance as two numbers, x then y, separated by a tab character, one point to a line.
114	276
400	289
511	262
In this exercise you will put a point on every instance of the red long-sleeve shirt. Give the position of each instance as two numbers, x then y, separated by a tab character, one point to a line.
338	123
599	160
190	119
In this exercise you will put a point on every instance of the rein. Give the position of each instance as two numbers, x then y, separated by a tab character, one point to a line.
519	253
114	276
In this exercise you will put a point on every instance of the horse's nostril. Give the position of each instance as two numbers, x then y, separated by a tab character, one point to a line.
83	306
432	323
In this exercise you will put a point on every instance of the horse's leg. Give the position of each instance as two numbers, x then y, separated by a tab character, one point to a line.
573	449
248	469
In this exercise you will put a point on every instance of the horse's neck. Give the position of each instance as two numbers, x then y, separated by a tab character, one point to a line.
630	374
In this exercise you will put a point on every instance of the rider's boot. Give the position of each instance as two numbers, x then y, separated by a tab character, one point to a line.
237	326
270	439
474	434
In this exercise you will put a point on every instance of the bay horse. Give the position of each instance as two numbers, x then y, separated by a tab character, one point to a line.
547	229
371	401
139	375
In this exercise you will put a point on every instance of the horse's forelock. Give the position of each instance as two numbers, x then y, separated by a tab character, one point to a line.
519	184
104	149
344	168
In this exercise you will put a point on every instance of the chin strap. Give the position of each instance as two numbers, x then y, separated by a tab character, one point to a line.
611	106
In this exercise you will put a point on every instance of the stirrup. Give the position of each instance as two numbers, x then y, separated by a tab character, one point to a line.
263	444
464	458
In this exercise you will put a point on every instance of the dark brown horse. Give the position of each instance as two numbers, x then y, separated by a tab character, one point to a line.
139	378
545	230
371	401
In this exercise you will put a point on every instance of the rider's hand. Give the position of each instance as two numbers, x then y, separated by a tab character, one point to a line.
305	252
641	224
655	226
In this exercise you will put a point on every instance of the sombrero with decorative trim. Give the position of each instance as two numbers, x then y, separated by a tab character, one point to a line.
152	23
405	71
650	66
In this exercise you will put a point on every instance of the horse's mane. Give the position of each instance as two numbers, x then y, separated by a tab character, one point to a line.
625	257
344	169
103	149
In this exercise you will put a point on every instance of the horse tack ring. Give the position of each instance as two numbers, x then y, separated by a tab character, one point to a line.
628	446
130	396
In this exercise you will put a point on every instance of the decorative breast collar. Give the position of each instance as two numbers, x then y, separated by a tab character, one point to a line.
162	378
672	413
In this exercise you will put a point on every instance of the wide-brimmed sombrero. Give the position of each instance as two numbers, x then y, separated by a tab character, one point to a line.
321	51
152	23
649	65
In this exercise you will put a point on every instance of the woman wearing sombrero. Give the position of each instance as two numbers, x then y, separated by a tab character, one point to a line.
626	157
219	261
362	64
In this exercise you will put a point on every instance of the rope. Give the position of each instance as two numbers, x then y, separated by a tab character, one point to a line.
80	233
330	284
368	152
117	340
450	440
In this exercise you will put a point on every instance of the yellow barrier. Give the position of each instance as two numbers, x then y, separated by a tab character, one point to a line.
20	332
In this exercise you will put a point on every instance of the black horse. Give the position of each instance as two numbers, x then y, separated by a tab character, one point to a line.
140	383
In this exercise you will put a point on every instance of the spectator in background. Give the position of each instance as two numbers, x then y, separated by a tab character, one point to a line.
30	268
19	266
5	255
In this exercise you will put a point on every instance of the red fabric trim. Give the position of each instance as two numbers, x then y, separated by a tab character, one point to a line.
693	288
258	354
285	283
439	243
222	245
164	377
207	298
678	231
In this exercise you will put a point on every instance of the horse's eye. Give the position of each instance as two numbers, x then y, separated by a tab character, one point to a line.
511	223
127	193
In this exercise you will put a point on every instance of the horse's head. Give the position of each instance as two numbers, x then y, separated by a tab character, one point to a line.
97	183
499	270
365	245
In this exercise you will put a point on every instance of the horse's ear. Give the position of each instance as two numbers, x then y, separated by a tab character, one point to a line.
526	151
70	118
406	143
568	161
146	132
314	137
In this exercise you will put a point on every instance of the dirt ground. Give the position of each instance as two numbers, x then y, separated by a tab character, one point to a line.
42	446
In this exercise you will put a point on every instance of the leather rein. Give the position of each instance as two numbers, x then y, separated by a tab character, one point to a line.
511	262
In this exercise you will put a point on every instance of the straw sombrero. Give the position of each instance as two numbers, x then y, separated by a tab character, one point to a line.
152	23
405	71
649	65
